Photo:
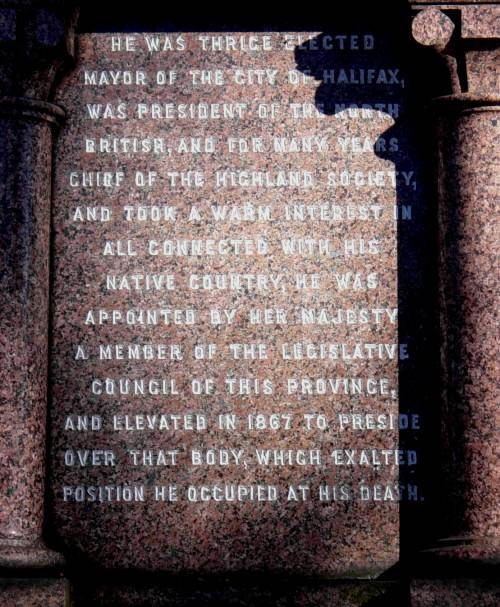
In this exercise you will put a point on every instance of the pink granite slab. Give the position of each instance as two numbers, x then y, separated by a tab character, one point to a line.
344	537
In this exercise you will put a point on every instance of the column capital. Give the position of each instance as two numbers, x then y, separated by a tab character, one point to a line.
466	36
37	45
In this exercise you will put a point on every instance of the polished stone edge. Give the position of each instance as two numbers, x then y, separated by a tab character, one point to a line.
15	554
460	102
460	557
487	548
31	109
454	592
227	591
445	2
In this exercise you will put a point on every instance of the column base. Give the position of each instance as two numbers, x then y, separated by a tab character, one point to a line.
16	554
109	590
15	592
460	557
454	593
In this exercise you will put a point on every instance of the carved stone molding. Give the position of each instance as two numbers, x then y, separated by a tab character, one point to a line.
467	37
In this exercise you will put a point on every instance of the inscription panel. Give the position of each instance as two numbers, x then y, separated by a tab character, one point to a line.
225	309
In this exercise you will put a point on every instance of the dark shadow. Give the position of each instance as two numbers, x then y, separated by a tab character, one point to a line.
417	251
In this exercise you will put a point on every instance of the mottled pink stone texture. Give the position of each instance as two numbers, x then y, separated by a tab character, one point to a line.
353	593
19	592
468	161
469	34
34	47
349	538
462	567
26	173
432	27
454	593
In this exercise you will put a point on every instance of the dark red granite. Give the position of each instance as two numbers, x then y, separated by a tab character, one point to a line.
454	593
347	538
25	283
33	592
468	160
469	245
35	45
244	594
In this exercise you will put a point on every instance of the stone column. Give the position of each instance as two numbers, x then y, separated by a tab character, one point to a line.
468	126
36	44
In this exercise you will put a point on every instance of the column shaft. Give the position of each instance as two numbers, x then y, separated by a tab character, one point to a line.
469	226
25	174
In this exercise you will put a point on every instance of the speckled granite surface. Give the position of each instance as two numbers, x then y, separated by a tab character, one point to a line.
451	593
469	135
469	250
25	283
33	592
34	44
328	538
245	594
